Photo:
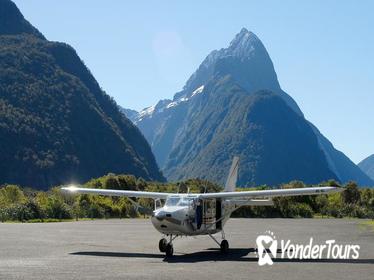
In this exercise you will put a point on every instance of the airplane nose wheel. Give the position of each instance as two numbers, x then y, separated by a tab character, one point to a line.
169	250
167	247
162	245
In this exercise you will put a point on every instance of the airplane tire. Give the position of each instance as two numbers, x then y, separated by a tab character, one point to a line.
162	245
224	246
169	250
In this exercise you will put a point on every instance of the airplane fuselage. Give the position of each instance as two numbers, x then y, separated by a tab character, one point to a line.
182	216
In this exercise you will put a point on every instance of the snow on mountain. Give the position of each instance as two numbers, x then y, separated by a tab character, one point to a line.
164	105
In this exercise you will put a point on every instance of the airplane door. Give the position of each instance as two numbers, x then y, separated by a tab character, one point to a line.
209	209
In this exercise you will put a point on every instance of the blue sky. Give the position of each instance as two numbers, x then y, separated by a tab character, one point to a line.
143	51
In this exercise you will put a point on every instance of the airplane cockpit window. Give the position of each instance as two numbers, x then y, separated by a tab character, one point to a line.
179	201
172	201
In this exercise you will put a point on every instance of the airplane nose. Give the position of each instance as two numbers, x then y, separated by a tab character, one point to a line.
160	215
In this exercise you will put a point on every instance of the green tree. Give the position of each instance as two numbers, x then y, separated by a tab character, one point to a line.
351	193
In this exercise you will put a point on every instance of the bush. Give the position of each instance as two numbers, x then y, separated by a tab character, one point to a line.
95	211
57	209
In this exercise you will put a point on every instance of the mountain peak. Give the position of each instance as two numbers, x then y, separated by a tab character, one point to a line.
244	36
244	33
245	44
12	21
245	59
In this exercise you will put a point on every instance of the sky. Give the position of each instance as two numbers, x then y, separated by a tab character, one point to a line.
143	51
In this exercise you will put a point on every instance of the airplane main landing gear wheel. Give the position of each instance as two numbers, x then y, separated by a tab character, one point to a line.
169	250
162	245
224	246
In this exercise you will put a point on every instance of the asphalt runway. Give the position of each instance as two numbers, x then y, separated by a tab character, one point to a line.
128	249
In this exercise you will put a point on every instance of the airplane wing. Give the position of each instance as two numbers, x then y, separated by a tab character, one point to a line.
154	195
243	194
272	193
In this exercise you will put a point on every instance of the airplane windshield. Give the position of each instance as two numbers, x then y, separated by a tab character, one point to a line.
179	201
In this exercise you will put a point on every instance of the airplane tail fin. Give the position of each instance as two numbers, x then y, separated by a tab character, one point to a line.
233	176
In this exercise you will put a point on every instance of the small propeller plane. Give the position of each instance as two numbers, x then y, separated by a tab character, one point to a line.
191	214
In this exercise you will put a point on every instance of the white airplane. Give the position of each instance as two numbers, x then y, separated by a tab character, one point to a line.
191	214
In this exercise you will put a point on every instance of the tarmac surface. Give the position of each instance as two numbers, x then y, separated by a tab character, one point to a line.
128	249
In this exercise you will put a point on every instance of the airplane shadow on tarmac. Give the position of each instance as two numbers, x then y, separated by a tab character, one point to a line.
213	254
